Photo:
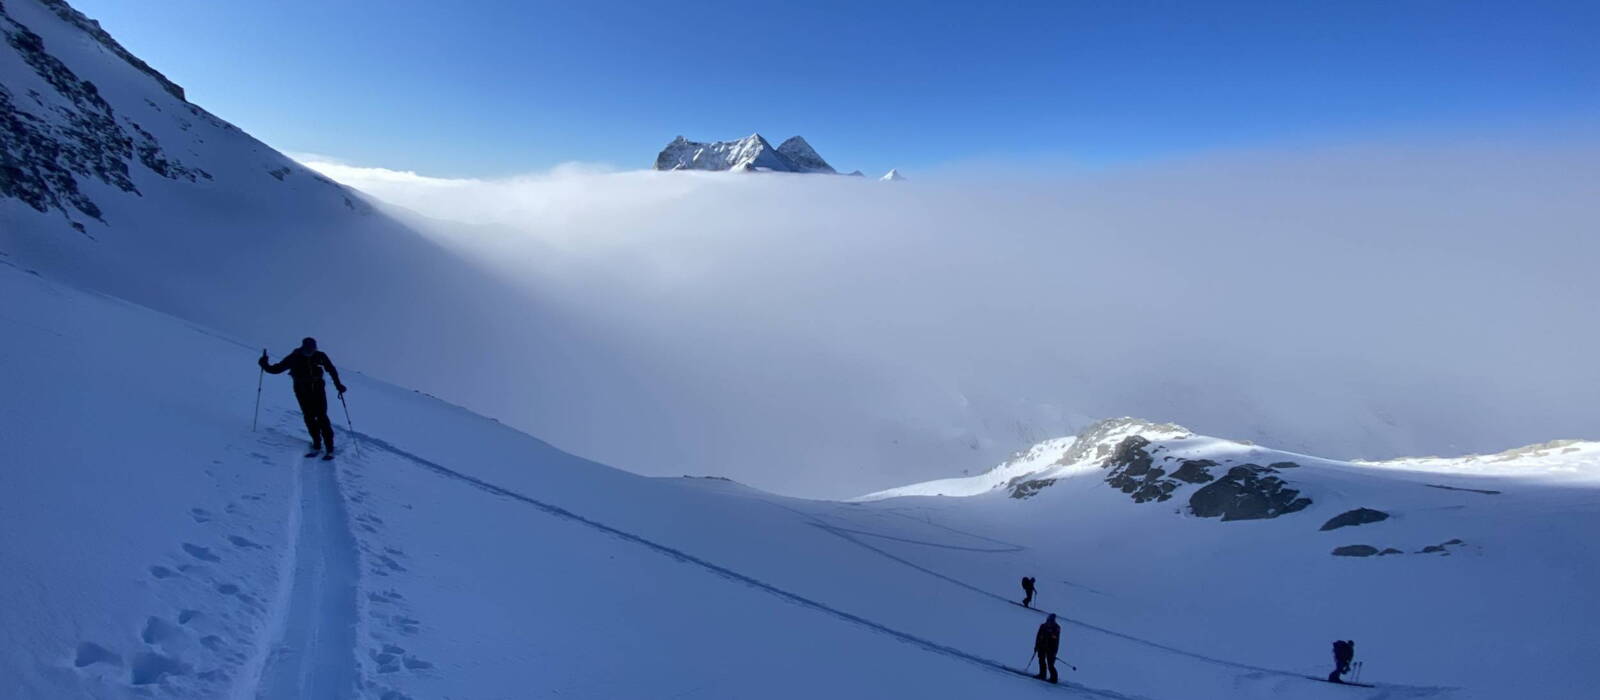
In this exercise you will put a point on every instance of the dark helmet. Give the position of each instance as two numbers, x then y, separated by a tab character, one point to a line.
1052	618
308	346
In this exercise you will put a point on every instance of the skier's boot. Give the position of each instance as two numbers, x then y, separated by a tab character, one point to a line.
329	456
316	449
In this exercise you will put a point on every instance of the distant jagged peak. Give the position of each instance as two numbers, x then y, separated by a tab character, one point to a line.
892	176
752	153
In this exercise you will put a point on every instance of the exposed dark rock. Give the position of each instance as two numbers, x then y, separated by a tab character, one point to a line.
1487	492
46	146
1441	548
92	28
1351	518
1355	550
1284	465
1132	473
1095	440
1389	550
1195	471
1028	489
1248	492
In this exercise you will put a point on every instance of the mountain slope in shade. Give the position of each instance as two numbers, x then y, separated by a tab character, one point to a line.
803	157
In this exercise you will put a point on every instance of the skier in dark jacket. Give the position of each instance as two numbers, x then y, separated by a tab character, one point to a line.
305	366
1343	653
1027	592
1047	643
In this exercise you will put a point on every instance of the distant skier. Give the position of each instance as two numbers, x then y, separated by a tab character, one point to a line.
305	366
1343	653
1047	643
1027	592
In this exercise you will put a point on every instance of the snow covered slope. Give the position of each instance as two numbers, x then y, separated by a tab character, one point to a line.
804	158
155	544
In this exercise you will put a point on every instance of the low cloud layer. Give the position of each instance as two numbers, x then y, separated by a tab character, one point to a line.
829	336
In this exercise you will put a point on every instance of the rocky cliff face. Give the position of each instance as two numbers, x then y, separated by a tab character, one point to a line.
60	129
83	122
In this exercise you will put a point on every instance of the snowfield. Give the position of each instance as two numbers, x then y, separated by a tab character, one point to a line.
156	545
160	537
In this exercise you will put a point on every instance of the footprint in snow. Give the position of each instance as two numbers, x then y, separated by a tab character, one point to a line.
200	515
243	543
90	653
157	630
201	553
150	667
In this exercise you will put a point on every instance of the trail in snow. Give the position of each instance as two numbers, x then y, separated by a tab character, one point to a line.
313	653
724	572
850	536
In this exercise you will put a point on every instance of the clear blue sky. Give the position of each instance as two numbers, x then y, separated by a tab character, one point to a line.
491	87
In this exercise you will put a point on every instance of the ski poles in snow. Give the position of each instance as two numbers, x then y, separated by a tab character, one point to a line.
259	376
1030	660
348	424
1357	675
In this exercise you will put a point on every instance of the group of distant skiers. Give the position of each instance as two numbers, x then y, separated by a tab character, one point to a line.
1047	643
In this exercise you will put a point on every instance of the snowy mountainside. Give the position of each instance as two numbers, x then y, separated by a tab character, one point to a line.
750	154
804	158
86	122
443	554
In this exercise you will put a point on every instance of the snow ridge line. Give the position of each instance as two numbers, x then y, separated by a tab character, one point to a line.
724	572
248	685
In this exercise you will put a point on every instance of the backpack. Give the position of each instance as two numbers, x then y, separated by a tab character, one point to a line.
1344	649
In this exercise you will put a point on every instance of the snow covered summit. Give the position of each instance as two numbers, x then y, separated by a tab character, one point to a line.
750	154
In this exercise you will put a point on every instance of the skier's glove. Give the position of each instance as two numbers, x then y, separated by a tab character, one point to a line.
340	387
262	361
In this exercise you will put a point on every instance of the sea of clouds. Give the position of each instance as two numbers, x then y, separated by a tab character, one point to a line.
829	336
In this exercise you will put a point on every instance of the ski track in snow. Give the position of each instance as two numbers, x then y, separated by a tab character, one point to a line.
311	652
684	557
1255	671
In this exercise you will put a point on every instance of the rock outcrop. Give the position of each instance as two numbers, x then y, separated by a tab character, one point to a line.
1248	492
1352	518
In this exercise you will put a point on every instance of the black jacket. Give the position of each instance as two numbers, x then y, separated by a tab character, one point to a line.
1048	641
305	370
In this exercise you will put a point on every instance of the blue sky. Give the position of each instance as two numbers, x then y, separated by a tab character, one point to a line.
494	87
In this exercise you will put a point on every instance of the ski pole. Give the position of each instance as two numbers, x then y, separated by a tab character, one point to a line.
347	422
1030	661
259	376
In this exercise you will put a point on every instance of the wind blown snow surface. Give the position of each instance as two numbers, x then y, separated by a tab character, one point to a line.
156	545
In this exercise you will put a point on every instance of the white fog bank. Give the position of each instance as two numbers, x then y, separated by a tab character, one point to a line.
830	336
